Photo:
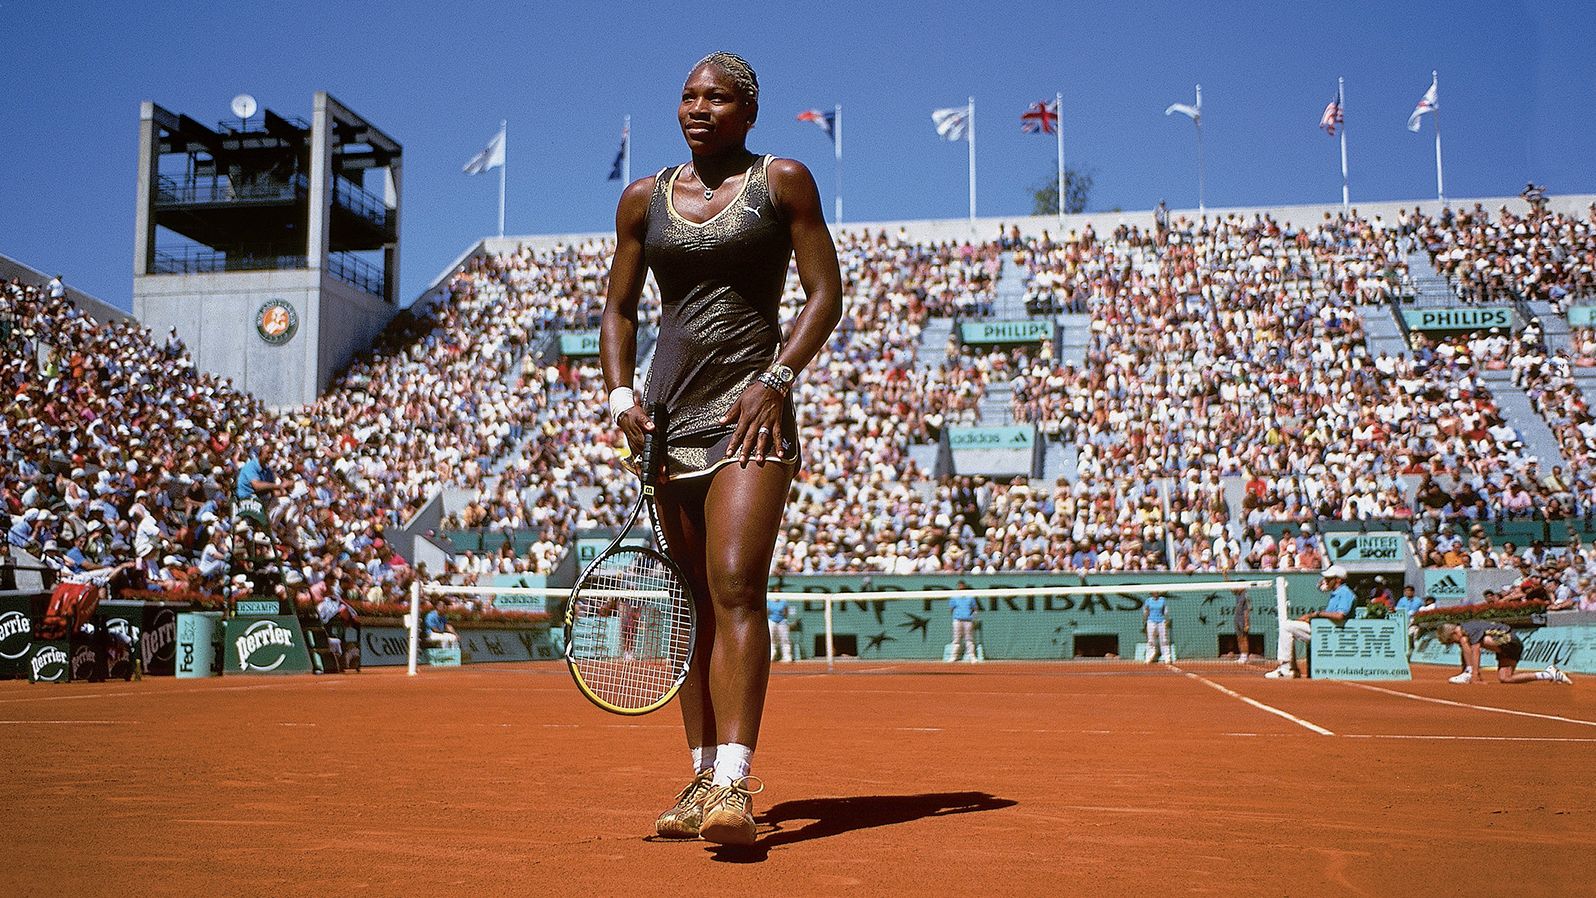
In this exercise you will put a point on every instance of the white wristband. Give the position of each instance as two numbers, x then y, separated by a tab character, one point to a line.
621	399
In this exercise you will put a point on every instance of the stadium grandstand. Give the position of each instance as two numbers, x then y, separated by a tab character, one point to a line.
1208	396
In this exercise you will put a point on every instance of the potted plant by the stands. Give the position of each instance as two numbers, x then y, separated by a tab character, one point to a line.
1379	608
1519	612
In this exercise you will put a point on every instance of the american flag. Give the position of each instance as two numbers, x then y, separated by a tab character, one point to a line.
1041	118
1332	117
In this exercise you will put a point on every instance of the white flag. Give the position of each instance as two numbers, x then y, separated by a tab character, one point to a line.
1195	113
1427	103
492	156
952	123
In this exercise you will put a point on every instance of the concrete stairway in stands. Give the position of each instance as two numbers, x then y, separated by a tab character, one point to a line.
1009	297
1429	287
1075	334
997	403
1514	405
1060	460
1381	333
934	343
1554	327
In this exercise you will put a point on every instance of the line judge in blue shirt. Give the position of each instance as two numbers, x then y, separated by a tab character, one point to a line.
963	607
1338	609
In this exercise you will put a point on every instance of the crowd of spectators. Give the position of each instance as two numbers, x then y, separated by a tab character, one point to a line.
1225	402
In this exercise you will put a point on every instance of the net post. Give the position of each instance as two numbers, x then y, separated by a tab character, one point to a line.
1282	612
415	623
830	650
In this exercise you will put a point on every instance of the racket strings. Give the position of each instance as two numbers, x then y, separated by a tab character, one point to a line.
631	630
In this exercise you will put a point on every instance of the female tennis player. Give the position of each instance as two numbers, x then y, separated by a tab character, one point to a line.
717	232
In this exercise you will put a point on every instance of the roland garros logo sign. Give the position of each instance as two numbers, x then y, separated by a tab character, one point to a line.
264	646
16	635
276	322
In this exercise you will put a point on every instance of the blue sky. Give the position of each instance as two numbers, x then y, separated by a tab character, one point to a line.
1517	83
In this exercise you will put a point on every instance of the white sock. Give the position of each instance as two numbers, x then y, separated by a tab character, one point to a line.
732	762
703	759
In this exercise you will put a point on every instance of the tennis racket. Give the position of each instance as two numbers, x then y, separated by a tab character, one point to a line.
630	625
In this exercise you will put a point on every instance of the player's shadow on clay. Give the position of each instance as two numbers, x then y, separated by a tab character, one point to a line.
834	816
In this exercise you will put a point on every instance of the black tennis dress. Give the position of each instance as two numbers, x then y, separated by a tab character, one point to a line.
720	287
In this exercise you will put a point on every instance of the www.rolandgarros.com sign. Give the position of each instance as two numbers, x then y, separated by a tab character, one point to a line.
1465	318
1029	331
265	645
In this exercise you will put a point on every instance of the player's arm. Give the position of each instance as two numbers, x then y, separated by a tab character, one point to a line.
1471	658
793	191
618	328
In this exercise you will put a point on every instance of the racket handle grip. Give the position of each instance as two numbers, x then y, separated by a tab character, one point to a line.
651	440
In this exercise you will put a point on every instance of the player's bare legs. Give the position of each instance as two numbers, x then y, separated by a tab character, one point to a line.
680	507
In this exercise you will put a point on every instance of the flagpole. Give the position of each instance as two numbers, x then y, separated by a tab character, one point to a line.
836	190
970	136
626	150
504	149
1341	104
1202	207
1440	188
1058	130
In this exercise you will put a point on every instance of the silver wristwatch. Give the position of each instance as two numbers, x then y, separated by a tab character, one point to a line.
778	377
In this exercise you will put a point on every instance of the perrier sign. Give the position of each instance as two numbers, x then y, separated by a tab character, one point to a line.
265	645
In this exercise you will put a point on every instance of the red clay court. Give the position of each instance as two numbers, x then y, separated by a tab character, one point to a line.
884	779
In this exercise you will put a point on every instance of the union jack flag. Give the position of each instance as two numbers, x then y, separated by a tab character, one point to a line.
1332	117
1041	118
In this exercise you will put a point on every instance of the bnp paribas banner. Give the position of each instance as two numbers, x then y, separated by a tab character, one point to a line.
1035	627
265	645
1032	330
1459	318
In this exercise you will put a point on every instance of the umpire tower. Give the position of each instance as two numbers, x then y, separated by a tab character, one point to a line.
270	244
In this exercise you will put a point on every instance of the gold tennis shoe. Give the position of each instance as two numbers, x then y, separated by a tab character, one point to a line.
729	813
682	820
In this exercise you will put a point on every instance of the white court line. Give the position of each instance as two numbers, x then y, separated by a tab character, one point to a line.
142	693
1490	708
1259	705
1475	738
82	722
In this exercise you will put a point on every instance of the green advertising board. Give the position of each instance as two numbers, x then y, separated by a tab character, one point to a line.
198	635
1570	648
1361	649
1460	318
579	343
1387	546
48	662
1447	585
16	634
1015	436
1032	330
589	547
1582	316
521	603
265	645
258	607
1035	627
